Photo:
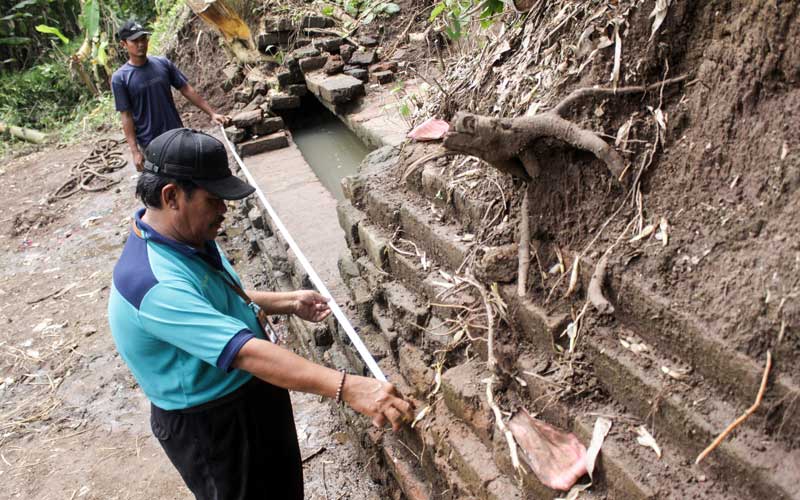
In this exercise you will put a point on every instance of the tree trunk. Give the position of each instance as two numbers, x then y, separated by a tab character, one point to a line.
26	134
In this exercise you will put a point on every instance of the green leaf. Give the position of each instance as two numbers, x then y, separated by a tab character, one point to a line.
368	18
23	4
351	7
52	30
391	8
102	53
436	11
327	10
14	40
90	17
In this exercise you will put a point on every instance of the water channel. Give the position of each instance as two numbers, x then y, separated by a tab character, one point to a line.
328	146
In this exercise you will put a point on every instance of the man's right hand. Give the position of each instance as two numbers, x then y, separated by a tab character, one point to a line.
138	160
378	400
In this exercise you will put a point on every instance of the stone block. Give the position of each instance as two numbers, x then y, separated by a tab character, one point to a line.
256	218
359	73
362	298
383	77
367	41
307	51
286	78
297	89
370	273
235	134
268	125
347	267
309	64
349	219
384	66
346	50
363	57
337	89
261	88
265	40
247	118
498	264
284	101
328	44
409	314
353	188
255	103
311	21
270	142
273	24
415	368
374	244
243	94
334	65
465	395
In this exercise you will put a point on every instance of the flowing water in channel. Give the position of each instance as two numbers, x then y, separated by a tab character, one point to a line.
331	149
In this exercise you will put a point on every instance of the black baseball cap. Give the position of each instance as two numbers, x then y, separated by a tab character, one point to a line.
187	154
131	30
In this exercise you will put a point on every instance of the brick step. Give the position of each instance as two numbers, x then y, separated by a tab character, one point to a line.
465	397
685	414
674	332
742	465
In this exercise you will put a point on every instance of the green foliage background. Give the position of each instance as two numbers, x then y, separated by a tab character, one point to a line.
37	87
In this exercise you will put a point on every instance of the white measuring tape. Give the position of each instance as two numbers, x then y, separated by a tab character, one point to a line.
315	279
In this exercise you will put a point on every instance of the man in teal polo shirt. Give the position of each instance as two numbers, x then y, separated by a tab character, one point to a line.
194	341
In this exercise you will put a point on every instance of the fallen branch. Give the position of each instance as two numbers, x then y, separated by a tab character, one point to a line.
736	423
26	134
595	291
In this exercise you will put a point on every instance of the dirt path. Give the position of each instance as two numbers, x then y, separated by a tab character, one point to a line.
73	423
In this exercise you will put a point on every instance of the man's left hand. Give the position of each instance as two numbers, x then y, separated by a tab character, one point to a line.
310	305
221	119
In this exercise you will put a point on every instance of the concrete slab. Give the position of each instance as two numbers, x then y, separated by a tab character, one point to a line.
307	209
336	89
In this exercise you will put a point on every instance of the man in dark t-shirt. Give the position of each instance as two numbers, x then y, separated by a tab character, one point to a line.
143	96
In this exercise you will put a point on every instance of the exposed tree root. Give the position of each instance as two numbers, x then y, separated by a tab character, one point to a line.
507	143
595	290
736	423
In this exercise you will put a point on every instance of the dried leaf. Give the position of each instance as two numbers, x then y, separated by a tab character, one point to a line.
422	414
623	132
617	55
784	150
663	231
659	13
645	233
647	439
677	374
573	277
601	427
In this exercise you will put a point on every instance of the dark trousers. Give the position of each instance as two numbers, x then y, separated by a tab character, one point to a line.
240	447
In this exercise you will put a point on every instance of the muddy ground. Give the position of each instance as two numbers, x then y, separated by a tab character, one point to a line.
73	423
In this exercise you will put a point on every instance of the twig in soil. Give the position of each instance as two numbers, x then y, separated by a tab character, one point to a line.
736	423
524	245
55	294
595	290
429	157
582	93
313	454
324	481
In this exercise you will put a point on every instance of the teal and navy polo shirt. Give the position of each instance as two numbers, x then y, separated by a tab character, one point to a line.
175	321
